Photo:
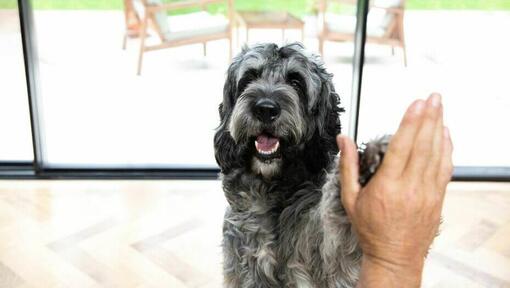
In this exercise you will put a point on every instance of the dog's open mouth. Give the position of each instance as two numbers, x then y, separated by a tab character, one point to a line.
268	146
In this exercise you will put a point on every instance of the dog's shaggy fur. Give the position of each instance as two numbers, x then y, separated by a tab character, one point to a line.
285	225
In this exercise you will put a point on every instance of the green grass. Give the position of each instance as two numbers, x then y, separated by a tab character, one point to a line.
298	7
460	4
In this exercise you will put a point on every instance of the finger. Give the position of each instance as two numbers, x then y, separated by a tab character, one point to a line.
446	167
349	172
437	147
402	142
422	148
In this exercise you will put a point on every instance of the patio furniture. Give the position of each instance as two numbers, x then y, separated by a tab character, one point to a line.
132	21
178	30
385	24
268	20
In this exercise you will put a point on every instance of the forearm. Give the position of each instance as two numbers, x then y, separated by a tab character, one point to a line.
377	273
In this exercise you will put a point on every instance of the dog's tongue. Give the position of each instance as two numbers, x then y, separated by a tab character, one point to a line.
266	142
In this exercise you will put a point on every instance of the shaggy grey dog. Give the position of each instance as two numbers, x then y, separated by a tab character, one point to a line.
285	225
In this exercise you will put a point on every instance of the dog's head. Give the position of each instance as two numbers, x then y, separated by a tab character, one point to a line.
279	108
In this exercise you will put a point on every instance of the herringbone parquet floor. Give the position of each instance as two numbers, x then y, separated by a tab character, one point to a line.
167	234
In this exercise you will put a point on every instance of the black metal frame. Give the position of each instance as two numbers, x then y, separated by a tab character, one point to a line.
31	74
27	173
38	170
358	62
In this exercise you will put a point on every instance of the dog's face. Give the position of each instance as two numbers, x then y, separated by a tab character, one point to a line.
276	101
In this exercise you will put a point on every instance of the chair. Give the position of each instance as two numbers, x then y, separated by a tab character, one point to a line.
172	31
385	24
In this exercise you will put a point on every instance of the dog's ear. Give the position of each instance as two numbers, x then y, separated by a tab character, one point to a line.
229	90
230	86
225	149
327	107
326	117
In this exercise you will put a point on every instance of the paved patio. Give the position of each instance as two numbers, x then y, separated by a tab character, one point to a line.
96	110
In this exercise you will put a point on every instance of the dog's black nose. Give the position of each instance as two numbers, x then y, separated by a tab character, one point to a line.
266	110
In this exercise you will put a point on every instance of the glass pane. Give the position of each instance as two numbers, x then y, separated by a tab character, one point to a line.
459	49
336	28
16	143
97	111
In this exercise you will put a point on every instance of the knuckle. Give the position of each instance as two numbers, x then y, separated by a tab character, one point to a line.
448	168
386	171
421	149
430	116
395	147
432	113
409	119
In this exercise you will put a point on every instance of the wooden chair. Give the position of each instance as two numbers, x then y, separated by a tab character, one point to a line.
385	24
172	31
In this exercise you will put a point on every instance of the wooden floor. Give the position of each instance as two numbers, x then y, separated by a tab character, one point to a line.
167	234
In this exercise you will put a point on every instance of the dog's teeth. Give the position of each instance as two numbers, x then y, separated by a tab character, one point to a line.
266	152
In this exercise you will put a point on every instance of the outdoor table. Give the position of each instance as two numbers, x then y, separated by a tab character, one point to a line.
268	20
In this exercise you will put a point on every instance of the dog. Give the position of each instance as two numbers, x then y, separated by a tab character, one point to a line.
276	146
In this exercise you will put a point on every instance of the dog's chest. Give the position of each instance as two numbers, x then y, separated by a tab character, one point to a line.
263	242
250	243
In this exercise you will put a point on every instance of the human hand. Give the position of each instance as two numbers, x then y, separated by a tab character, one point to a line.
397	214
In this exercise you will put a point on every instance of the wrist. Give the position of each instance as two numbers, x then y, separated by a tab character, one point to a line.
377	272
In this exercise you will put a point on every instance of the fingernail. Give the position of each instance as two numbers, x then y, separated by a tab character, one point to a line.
418	107
435	99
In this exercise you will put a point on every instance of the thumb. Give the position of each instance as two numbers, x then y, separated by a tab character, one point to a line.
348	171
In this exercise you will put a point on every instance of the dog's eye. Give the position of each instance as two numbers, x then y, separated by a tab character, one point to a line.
247	78
296	81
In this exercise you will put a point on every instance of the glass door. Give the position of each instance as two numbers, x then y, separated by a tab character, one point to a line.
459	50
